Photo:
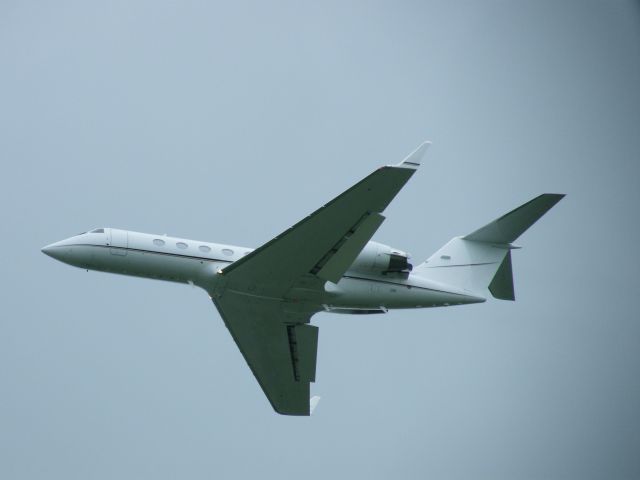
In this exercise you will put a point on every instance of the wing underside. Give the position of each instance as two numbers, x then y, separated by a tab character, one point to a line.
268	297
279	347
326	242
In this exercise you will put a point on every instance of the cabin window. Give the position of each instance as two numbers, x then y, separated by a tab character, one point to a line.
181	245
227	251
97	230
204	249
157	242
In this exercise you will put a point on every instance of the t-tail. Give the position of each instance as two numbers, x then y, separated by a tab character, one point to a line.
481	260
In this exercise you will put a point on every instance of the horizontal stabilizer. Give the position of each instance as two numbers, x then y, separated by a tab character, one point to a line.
513	224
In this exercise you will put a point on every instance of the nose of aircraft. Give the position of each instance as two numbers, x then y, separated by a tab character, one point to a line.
61	250
53	251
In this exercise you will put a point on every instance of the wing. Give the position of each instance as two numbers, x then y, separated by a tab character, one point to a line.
266	299
279	347
325	243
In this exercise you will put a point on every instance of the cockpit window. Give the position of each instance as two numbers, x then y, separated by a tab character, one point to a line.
97	230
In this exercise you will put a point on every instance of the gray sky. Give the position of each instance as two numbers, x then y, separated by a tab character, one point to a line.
229	122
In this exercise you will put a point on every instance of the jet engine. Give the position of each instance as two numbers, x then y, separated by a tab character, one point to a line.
378	258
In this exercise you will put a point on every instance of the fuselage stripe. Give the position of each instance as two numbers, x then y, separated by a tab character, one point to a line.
171	254
408	285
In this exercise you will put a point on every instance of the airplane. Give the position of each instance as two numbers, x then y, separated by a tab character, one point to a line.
326	262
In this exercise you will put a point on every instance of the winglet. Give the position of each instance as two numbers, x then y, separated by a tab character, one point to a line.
413	159
313	403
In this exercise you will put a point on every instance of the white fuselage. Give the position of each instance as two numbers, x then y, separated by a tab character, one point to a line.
200	263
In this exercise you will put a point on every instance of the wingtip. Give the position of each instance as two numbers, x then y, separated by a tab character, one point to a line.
313	403
554	197
414	159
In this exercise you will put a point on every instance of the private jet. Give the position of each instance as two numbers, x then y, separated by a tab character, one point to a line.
327	262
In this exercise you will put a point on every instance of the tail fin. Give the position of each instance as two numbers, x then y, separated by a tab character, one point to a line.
481	260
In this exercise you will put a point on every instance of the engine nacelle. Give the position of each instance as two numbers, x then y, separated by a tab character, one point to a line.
378	258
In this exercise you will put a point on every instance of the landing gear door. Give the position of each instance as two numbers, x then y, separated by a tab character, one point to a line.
119	242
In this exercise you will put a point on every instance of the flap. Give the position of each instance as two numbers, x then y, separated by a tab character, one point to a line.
344	253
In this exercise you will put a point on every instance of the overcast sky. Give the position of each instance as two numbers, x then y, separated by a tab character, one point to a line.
229	122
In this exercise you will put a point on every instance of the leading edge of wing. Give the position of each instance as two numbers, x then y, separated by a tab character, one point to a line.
373	205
